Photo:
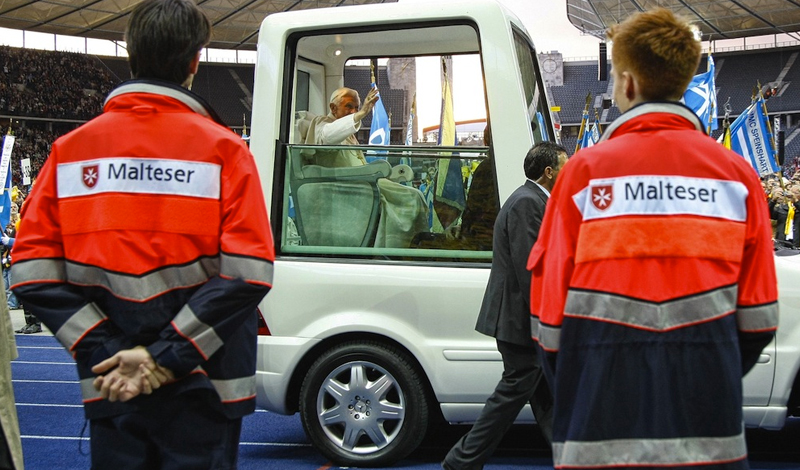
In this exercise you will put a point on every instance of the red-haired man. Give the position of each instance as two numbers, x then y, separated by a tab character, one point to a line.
654	287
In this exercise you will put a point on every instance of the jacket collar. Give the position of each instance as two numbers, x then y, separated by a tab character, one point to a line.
664	107
169	89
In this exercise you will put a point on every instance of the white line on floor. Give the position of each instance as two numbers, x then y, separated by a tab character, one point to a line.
263	444
50	404
46	381
57	438
45	363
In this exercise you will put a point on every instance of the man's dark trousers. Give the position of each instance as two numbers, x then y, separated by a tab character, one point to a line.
183	432
522	382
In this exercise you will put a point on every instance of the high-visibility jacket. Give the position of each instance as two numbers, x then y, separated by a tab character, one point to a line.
653	292
147	226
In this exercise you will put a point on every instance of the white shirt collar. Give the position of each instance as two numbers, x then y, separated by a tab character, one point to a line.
540	186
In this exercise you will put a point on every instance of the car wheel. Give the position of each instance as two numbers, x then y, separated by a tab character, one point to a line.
364	404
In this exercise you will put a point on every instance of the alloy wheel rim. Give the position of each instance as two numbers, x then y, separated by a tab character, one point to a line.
361	407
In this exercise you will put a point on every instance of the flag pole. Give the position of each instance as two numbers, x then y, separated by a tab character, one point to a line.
726	125
597	119
769	132
584	118
711	112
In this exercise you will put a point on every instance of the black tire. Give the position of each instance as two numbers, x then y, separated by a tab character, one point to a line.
363	404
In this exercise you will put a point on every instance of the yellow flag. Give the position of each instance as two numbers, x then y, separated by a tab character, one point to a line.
726	138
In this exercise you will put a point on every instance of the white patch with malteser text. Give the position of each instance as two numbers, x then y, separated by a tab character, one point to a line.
662	195
139	176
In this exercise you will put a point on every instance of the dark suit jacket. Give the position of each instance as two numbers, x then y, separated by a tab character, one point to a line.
505	311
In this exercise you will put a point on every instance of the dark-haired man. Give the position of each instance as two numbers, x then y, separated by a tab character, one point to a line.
505	316
147	255
653	276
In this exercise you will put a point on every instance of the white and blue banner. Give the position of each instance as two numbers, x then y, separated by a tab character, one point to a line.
751	139
701	96
5	181
591	135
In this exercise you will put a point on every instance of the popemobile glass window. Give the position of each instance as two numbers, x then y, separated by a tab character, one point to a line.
405	186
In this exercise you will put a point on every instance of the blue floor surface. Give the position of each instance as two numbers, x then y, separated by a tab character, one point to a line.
51	423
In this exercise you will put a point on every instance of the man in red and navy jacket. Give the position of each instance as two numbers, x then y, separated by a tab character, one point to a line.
146	248
654	286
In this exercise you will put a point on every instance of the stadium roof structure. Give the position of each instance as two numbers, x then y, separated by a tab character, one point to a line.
717	19
235	22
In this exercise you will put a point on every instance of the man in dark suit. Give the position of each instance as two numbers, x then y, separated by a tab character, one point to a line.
505	315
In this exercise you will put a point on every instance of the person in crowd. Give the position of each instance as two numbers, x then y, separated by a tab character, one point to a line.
784	206
7	241
32	324
480	212
157	306
339	127
654	286
505	315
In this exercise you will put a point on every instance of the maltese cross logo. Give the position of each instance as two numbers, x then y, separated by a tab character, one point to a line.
90	175
602	196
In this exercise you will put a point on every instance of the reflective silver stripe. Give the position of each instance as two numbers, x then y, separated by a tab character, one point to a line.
670	108
203	336
82	321
249	269
141	288
38	270
232	390
535	328
87	390
649	452
650	315
549	337
758	318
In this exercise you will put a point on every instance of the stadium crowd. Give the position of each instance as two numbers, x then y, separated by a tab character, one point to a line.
56	85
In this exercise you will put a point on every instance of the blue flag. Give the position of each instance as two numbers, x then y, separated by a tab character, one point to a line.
542	125
701	97
379	131
750	138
